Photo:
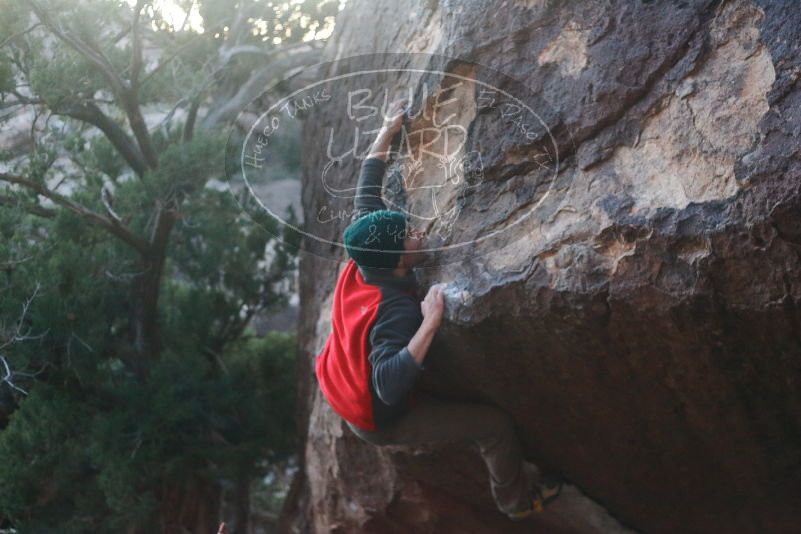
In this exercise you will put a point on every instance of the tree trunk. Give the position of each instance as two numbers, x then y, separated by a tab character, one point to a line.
241	502
192	506
146	332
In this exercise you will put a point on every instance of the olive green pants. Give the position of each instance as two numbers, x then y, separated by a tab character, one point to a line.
434	420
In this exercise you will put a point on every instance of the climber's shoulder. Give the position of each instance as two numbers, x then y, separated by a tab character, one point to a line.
399	307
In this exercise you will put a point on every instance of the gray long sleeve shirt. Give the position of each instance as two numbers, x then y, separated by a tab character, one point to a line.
397	318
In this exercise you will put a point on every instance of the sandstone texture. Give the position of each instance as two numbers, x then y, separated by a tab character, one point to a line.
641	322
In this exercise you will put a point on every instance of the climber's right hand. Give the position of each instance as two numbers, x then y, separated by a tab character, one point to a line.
433	306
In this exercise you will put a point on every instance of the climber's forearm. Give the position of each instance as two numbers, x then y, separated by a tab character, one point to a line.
380	147
418	345
368	187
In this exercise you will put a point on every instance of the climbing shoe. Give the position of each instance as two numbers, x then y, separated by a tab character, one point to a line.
547	490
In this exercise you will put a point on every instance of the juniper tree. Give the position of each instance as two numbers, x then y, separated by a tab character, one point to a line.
130	381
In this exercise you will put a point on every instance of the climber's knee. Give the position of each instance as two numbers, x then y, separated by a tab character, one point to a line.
498	424
506	424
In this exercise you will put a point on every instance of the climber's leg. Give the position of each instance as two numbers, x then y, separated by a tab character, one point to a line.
434	420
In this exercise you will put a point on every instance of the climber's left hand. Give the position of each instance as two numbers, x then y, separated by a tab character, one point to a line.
394	120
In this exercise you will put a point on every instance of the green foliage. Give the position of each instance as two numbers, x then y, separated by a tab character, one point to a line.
96	428
43	463
89	447
64	78
98	156
217	252
12	17
289	21
77	462
185	75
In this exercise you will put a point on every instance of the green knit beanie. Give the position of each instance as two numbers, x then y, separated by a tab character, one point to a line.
376	239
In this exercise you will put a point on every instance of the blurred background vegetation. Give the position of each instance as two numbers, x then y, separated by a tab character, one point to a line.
136	395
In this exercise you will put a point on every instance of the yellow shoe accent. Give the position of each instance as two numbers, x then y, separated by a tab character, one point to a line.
537	505
520	515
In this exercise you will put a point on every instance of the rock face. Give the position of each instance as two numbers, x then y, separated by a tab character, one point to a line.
642	325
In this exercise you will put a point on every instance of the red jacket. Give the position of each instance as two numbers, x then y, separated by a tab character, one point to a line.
365	371
343	370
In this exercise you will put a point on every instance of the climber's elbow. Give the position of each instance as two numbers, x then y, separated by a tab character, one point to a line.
388	392
389	395
394	373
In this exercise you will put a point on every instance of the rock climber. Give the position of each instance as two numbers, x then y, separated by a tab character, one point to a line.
381	333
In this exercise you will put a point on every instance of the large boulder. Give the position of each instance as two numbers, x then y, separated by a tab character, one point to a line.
641	322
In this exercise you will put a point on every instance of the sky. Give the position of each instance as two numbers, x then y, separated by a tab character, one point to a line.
176	15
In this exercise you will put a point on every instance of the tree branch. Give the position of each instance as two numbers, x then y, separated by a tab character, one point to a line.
136	53
131	106
191	118
17	335
171	57
35	209
18	34
228	109
88	112
108	199
126	98
188	13
117	84
24	99
111	226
